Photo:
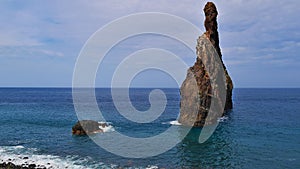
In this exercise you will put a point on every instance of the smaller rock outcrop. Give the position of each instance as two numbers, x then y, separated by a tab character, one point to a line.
86	127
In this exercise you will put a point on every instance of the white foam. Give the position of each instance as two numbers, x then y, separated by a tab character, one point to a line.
108	128
152	167
175	123
107	122
19	147
12	154
222	119
20	155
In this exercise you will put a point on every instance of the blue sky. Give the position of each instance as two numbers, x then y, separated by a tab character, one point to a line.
40	40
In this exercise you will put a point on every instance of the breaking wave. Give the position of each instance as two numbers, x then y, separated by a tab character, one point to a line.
19	155
175	123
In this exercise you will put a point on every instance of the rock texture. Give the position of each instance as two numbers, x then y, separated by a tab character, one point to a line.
85	127
10	165
196	91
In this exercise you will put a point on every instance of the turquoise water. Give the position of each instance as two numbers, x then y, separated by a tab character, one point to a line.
262	131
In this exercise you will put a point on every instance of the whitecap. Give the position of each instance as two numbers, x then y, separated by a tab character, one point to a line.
19	147
222	119
107	122
152	167
175	123
107	128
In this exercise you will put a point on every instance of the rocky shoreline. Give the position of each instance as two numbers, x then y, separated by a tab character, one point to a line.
22	162
10	165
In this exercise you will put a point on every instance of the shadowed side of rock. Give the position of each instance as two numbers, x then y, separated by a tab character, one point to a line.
196	90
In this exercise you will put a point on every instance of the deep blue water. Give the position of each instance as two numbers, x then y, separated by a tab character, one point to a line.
262	131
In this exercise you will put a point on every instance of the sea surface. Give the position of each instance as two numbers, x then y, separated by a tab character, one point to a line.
262	131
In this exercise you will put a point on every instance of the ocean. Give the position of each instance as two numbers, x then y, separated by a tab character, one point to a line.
262	131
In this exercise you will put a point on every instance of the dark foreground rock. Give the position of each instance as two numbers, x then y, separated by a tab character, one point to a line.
10	165
85	127
196	91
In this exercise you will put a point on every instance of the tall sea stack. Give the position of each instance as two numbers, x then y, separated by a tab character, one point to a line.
196	91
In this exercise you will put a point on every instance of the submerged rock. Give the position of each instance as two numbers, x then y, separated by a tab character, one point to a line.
85	127
196	91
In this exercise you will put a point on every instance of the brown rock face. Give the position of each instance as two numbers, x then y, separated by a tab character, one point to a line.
211	25
196	91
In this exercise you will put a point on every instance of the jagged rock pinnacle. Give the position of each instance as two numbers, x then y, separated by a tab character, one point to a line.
196	90
211	25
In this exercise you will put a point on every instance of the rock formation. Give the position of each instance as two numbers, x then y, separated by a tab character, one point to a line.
85	127
196	91
10	165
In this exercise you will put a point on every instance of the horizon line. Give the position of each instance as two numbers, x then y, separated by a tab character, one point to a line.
137	87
